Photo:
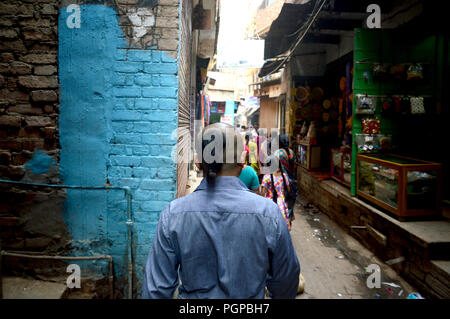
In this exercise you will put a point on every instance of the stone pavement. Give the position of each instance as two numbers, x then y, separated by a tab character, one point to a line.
333	263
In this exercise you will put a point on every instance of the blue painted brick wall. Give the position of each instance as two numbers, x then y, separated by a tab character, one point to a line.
129	141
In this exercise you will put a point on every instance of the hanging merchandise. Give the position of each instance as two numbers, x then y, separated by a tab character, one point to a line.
387	106
334	115
367	77
417	105
334	102
293	92
380	70
312	133
305	113
326	104
317	94
415	72
325	117
365	104
370	126
316	111
398	104
398	71
385	142
340	127
301	94
342	83
341	105
304	130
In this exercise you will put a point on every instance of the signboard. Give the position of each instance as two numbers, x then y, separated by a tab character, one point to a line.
221	108
213	108
251	101
274	90
227	119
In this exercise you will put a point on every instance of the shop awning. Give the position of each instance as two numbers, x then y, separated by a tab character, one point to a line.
270	66
282	31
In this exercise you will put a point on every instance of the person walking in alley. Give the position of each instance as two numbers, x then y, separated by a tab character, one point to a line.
275	186
250	179
221	241
287	165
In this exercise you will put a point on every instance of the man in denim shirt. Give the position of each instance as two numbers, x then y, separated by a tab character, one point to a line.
223	240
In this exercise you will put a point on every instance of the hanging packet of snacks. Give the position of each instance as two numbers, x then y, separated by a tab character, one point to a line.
415	72
365	104
371	126
417	105
380	70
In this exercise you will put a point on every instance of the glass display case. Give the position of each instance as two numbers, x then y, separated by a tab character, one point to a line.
401	185
341	165
308	156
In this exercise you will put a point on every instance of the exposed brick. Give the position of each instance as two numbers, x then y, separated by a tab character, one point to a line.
6	22
44	96
16	46
45	70
35	23
8	33
38	58
21	158
36	82
168	44
25	109
49	109
26	10
166	23
167	11
48	9
11	121
10	145
39	34
7	8
20	68
14	96
168	2
5	158
7	57
32	144
38	121
14	172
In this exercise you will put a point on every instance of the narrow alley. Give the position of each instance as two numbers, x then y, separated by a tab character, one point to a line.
329	114
334	263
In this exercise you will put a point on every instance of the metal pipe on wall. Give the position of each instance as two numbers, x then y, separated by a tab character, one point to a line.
129	223
108	257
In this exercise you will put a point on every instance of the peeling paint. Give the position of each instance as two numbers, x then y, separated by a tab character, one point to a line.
40	163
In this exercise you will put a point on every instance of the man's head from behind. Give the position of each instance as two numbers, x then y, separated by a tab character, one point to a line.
220	149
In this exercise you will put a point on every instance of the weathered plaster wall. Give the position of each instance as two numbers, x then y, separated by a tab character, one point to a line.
90	106
118	113
30	217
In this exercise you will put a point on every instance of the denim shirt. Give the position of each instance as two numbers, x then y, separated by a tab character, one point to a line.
223	241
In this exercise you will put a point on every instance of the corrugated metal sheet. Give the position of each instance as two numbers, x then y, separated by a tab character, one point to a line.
184	94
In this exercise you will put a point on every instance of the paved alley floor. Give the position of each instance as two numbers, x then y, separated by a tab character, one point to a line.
333	263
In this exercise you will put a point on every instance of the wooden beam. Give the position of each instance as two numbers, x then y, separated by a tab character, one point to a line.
333	32
343	15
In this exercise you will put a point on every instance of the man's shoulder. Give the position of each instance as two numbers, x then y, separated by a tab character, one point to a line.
246	200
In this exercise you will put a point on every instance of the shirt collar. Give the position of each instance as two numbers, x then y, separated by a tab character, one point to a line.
223	183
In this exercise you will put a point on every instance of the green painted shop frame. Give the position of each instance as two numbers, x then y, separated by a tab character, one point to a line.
373	46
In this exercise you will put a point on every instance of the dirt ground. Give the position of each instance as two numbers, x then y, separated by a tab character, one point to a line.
334	264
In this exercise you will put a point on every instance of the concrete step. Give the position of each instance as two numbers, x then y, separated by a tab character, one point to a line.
439	277
29	288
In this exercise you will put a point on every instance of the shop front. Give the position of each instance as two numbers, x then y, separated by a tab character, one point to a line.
368	111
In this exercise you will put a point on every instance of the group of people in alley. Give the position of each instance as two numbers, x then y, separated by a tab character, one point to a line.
230	238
